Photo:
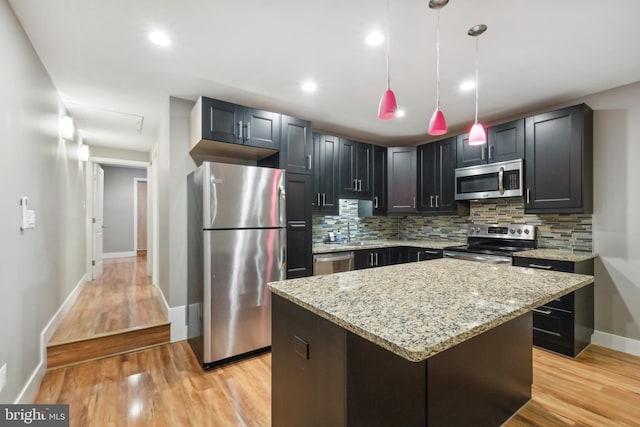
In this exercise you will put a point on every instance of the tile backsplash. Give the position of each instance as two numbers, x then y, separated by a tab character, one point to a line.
561	231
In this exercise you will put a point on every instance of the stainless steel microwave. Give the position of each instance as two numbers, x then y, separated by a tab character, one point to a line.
490	181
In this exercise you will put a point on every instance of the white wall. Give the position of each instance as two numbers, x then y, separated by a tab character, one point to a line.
616	219
41	266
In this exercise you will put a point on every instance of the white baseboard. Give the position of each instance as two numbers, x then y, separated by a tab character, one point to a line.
616	342
175	315
108	255
28	392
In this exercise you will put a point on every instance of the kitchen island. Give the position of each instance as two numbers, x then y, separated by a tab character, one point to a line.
444	342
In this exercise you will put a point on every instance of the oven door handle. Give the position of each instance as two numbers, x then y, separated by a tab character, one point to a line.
501	180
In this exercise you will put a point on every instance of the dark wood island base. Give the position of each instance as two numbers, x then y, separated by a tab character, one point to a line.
325	375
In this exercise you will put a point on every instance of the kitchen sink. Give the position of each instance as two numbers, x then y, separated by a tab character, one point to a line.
359	243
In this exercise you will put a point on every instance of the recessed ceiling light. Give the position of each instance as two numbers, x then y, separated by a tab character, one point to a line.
374	38
468	85
159	38
309	86
399	113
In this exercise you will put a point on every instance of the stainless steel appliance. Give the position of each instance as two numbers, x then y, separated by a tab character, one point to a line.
490	181
236	244
332	263
494	243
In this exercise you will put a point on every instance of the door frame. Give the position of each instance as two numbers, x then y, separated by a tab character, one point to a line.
89	204
135	212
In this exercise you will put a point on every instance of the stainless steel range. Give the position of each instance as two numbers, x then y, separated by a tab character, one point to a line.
494	243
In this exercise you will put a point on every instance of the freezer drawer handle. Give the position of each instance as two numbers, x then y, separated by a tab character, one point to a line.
537	310
544	267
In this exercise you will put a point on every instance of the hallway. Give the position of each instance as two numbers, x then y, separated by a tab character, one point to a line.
113	314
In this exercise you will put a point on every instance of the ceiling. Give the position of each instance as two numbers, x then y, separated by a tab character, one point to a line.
116	83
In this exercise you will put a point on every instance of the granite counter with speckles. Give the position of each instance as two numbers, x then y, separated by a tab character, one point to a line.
419	309
322	248
556	255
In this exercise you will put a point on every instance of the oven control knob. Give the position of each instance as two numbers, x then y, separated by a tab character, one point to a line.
526	231
519	230
471	230
477	230
512	231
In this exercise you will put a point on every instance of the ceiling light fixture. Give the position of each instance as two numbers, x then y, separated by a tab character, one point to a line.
477	136
159	38
83	152
374	38
388	104
468	85
309	86
66	128
438	124
400	113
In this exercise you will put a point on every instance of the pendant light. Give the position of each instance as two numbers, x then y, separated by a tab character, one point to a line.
438	124
477	136
388	104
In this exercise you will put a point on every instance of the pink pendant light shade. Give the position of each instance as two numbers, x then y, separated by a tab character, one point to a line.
437	124
477	136
388	106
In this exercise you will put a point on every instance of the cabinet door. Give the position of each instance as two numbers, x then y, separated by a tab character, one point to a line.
402	179
326	173
427	177
445	176
299	239
379	181
222	121
316	200
296	145
395	256
347	166
261	129
506	141
554	162
363	259
364	169
469	155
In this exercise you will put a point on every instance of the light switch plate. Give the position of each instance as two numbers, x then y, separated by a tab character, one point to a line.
3	376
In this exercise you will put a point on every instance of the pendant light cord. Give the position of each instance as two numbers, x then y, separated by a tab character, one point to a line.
438	63
476	79
388	78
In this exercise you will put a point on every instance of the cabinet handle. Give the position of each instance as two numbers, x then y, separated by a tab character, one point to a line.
324	199
437	201
431	252
309	162
248	127
359	185
414	202
537	310
297	225
491	147
355	185
430	201
418	255
528	195
544	267
318	198
377	259
371	259
482	155
375	202
240	129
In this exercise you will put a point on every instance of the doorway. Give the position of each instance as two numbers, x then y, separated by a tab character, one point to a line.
140	216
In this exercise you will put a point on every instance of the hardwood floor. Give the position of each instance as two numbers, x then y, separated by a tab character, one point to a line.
120	311
165	386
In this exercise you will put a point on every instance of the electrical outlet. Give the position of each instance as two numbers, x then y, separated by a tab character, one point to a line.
3	376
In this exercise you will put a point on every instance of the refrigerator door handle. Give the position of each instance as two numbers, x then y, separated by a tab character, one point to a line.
283	252
282	194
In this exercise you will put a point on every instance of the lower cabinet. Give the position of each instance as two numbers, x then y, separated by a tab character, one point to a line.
371	258
413	254
564	325
367	258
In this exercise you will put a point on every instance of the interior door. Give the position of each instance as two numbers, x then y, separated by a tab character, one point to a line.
98	226
141	215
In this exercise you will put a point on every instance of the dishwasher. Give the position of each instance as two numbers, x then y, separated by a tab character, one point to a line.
332	263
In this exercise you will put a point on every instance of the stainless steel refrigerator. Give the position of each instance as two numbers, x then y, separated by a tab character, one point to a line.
236	244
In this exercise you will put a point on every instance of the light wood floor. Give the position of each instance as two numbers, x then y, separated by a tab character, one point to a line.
165	386
122	298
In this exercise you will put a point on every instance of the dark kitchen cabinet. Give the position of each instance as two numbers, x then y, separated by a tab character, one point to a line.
504	142
564	325
226	122
414	254
368	258
325	174
401	179
355	165
559	161
299	190
379	181
436	177
296	146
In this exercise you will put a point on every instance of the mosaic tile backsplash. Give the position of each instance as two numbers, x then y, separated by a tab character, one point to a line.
558	231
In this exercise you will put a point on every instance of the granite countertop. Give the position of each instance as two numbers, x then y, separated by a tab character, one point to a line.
323	248
419	309
556	255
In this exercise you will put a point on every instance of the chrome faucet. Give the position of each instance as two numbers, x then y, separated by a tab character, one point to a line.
348	230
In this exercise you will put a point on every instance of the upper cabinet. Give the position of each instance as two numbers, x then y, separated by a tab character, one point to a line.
217	124
355	164
436	177
296	147
379	181
401	179
559	161
504	142
325	174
